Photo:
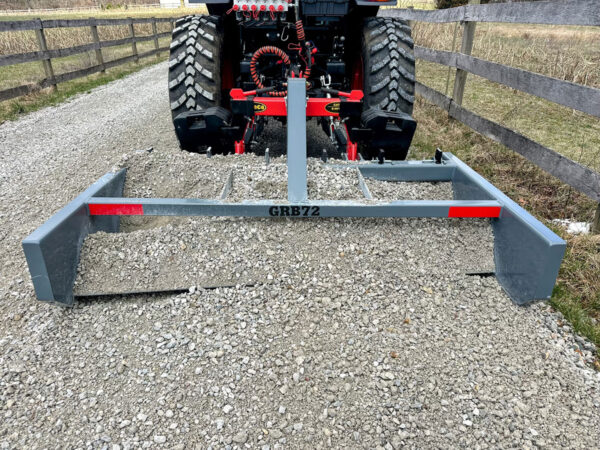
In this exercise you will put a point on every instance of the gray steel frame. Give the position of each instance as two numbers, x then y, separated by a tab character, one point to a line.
52	250
527	254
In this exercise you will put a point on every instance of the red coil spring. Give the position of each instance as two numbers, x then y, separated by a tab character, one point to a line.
269	49
301	38
300	31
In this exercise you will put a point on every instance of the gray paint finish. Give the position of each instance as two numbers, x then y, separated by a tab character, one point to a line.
526	253
52	251
273	208
296	140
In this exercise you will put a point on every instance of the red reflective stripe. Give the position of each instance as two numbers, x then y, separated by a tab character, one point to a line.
474	211
108	209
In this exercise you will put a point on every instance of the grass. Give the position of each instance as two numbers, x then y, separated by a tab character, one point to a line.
569	53
32	72
577	293
416	4
19	74
565	52
25	41
571	133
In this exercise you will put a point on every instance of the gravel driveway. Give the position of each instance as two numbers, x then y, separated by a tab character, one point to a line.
332	333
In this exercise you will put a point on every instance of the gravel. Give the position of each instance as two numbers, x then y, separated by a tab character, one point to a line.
155	255
343	333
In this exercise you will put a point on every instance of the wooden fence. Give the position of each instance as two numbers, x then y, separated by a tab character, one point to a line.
45	55
581	98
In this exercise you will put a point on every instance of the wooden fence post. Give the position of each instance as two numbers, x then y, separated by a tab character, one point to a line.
47	62
96	40
453	50
596	221
411	23
133	43
467	46
155	33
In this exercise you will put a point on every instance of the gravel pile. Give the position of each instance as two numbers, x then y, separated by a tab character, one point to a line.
410	191
332	333
254	180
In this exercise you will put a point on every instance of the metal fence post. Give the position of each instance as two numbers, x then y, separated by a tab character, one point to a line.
47	62
155	33
96	40
467	46
133	43
596	221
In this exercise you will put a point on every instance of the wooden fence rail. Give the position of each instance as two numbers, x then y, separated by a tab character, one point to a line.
580	177
35	24
46	55
572	12
572	95
575	96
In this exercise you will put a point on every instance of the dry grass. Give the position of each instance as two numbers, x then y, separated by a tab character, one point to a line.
416	4
568	53
16	75
565	52
25	41
582	272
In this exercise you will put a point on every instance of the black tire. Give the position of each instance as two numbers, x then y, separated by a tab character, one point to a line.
195	65
388	69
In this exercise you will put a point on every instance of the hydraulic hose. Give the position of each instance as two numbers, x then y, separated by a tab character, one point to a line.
267	50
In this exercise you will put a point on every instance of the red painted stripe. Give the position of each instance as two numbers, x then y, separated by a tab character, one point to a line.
108	209
474	211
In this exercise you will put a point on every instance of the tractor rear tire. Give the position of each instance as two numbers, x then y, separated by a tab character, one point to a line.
195	66
388	68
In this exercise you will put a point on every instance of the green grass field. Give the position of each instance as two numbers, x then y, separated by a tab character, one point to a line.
568	53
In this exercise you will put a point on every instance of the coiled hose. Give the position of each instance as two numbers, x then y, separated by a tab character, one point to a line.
267	50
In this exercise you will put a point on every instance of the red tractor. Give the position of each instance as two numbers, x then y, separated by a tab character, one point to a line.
228	74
